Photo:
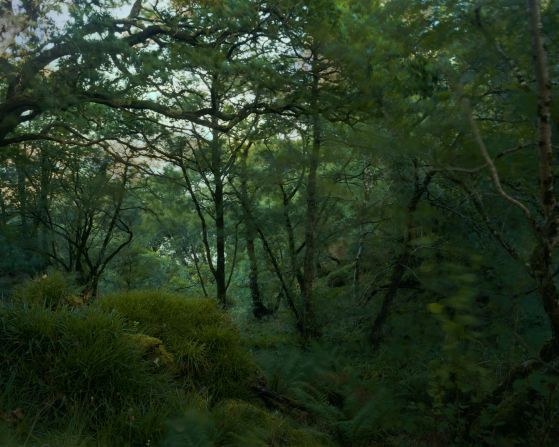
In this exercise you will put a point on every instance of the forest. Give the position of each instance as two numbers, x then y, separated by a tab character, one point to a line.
282	223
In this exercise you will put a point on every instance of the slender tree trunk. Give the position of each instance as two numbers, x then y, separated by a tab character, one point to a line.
283	283
367	184
220	273
258	308
541	262
94	287
3	212
294	265
22	198
220	276
309	264
43	211
357	268
197	266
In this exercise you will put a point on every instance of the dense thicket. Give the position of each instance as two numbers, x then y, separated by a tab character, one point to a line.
260	222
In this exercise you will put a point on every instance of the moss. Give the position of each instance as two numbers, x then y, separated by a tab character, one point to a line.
206	346
154	351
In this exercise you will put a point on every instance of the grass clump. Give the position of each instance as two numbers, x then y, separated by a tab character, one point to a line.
52	290
78	365
206	346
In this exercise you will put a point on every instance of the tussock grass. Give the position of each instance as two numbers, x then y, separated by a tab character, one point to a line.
77	365
51	290
206	346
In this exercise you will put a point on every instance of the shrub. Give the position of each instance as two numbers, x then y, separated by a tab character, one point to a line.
78	365
205	344
51	290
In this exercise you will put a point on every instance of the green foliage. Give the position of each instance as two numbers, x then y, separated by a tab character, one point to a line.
206	346
458	374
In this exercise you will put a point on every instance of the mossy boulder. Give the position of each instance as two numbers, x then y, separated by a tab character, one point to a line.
204	343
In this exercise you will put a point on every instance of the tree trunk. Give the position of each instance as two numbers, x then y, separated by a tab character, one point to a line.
197	266
294	265
22	198
220	274
220	278
283	283
258	308
309	264
541	262
357	268
43	211
3	211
